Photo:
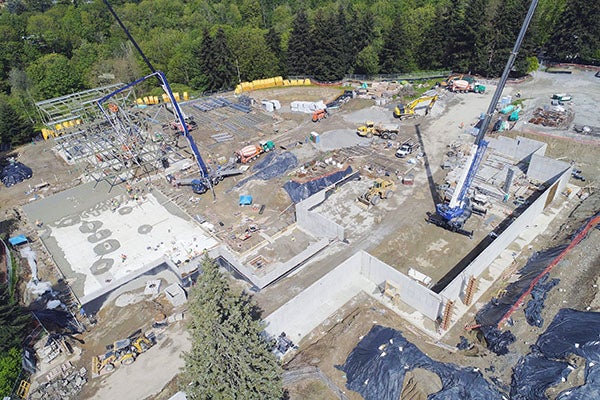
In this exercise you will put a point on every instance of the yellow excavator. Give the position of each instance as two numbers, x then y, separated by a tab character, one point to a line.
408	111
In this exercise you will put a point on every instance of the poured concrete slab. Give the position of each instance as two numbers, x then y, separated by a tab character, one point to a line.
103	244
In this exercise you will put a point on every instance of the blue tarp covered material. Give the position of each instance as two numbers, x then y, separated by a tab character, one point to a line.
245	200
270	166
377	366
17	240
302	191
14	173
571	332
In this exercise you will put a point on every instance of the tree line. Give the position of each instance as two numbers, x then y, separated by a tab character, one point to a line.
52	48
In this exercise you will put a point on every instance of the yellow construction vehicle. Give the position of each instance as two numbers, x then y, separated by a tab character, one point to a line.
385	131
141	344
108	361
381	189
408	111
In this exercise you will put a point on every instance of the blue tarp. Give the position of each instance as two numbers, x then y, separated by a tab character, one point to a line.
14	173
377	366
301	191
17	240
245	200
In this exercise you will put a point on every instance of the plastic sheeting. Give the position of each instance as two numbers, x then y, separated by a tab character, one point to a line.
302	191
533	310
271	166
571	332
14	173
377	366
490	315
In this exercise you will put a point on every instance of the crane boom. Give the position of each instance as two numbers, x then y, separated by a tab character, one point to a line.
457	211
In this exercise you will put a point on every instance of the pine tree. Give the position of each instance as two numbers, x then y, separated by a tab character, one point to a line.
396	56
229	358
576	38
328	59
477	33
431	51
299	46
14	321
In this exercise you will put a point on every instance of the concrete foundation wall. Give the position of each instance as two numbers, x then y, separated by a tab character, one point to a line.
545	169
316	303
485	258
412	292
519	149
314	223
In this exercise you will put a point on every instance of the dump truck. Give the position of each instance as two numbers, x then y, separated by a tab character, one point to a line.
252	152
407	148
381	189
385	131
319	115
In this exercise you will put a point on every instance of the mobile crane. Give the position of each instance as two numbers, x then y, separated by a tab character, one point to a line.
453	215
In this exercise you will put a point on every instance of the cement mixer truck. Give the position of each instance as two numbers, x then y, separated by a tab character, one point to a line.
252	152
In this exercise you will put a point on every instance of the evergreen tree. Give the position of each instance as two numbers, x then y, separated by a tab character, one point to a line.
14	321
577	35
432	50
476	33
328	59
229	358
273	40
396	55
216	66
14	129
299	46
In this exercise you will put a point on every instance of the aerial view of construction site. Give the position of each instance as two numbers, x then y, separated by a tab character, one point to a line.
435	236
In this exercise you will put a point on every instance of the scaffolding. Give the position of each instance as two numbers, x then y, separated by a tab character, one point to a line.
80	105
125	140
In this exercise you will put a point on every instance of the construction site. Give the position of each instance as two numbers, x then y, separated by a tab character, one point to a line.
325	203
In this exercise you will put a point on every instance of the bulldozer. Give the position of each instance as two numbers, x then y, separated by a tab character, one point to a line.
381	189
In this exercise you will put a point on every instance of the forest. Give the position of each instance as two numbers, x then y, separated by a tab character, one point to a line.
56	47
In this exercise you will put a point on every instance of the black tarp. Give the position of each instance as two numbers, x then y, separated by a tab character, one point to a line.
14	173
533	310
272	165
377	366
302	191
571	332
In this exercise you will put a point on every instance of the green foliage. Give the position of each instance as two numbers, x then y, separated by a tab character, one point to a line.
14	321
52	75
10	367
299	46
14	128
229	358
577	36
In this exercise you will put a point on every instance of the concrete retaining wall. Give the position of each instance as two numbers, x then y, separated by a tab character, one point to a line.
314	223
485	258
412	292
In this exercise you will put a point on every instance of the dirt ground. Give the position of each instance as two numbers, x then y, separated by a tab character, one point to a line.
332	342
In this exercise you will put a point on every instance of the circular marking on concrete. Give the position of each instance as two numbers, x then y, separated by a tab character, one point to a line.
125	210
144	229
68	221
90	226
100	235
106	247
101	266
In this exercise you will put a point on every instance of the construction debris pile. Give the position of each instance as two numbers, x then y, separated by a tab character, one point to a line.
554	118
65	388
